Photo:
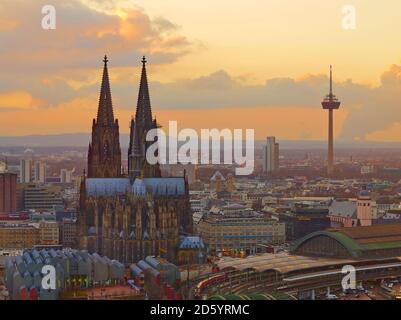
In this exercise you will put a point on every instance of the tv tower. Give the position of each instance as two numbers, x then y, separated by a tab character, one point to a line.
330	102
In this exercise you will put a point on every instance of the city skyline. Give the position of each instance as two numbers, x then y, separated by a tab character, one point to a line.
53	90
200	151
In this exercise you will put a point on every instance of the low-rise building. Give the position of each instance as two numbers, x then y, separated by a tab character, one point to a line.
18	235
192	250
68	232
304	220
343	213
48	233
246	231
74	269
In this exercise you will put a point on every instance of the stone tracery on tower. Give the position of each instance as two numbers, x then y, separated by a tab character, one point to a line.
104	154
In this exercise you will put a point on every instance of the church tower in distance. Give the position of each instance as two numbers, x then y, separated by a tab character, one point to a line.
140	125
104	154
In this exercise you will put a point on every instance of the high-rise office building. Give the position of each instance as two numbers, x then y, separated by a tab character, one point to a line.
276	156
271	155
65	176
39	172
3	166
37	197
25	171
8	193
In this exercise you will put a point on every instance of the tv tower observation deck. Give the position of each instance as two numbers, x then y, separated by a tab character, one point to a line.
330	102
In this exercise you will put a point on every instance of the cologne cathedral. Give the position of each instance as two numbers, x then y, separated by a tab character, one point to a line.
140	213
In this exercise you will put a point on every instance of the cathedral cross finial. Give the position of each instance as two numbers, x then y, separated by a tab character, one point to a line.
144	60
105	60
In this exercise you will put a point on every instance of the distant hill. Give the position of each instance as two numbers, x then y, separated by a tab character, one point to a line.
82	140
65	140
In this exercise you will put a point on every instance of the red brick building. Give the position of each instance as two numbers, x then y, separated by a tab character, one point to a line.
8	193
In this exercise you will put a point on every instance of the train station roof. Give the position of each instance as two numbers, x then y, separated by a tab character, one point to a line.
282	262
378	241
357	244
254	296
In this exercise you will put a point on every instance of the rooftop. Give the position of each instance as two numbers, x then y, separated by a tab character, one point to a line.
281	262
359	241
343	209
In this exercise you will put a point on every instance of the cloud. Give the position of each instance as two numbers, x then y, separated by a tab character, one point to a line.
219	90
371	113
18	100
58	72
378	111
82	36
57	66
390	133
7	25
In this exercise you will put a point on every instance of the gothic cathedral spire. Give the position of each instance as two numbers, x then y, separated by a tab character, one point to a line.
104	154
105	114
140	125
143	115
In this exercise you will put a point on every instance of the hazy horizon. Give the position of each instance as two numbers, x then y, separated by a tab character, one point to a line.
81	139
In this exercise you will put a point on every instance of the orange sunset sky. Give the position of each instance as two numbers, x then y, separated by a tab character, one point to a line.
224	64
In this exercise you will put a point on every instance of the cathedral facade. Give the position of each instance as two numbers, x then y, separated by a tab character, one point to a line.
129	216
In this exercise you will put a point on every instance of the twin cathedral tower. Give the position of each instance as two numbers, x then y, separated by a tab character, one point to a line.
129	216
104	154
